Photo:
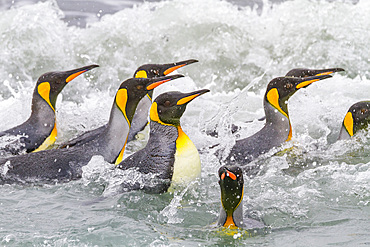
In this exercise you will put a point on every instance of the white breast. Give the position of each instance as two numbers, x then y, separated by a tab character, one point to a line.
187	162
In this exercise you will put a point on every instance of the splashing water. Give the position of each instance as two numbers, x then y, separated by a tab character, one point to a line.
315	194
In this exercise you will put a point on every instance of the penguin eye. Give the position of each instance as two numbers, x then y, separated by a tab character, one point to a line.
156	72
139	87
289	86
363	111
167	103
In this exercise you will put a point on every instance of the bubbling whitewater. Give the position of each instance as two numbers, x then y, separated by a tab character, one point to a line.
316	193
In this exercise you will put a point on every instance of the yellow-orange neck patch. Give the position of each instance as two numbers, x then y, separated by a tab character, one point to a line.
290	133
229	223
48	141
44	91
120	156
348	123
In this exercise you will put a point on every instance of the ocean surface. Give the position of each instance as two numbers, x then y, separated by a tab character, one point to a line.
314	193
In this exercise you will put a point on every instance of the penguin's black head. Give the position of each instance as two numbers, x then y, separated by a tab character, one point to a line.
157	70
50	84
280	89
232	187
357	117
168	107
301	72
133	90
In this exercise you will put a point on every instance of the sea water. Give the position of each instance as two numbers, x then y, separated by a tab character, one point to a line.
314	193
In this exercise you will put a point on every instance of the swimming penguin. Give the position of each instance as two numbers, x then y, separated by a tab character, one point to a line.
298	72
39	131
357	118
232	190
65	164
150	71
169	154
140	119
277	128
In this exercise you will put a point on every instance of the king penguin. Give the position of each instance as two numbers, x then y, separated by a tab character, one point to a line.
169	154
65	164
297	72
277	128
232	191
140	119
40	130
357	118
150	71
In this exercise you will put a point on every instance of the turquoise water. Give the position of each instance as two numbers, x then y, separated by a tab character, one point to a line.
315	194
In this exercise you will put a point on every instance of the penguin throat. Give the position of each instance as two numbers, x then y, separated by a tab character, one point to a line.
274	100
226	199
43	90
229	223
48	141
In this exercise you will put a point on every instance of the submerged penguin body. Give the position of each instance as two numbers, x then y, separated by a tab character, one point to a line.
65	164
278	128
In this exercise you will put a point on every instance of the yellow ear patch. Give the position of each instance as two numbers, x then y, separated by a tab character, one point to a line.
153	114
121	101
187	99
348	123
306	83
141	74
44	91
48	141
273	98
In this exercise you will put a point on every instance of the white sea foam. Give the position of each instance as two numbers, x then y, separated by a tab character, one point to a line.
322	182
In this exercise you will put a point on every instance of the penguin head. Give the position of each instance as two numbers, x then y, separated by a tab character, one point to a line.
301	72
280	89
168	107
357	117
232	189
157	70
50	84
134	89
